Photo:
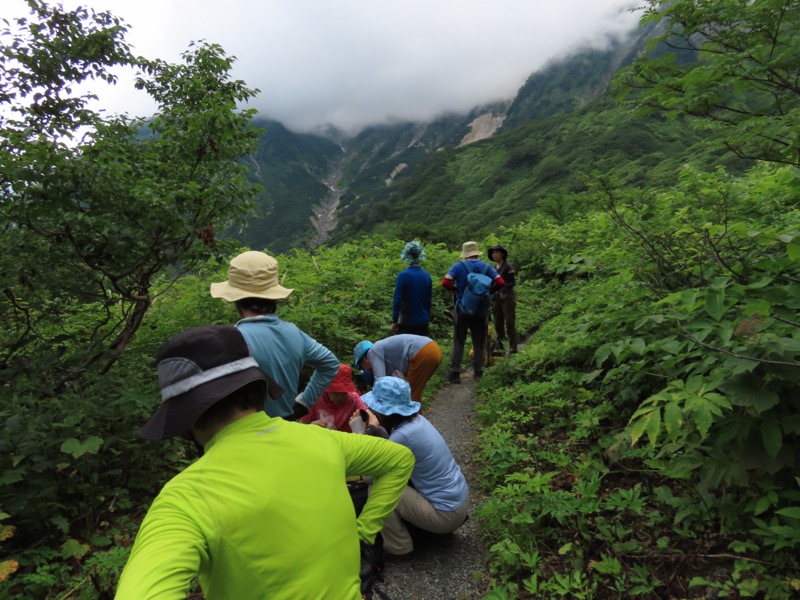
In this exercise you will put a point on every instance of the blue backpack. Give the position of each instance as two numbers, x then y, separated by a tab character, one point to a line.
475	300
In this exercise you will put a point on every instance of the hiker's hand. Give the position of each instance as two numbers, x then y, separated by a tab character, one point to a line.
373	420
298	410
395	327
371	569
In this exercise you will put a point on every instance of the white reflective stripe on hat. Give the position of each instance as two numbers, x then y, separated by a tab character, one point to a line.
188	384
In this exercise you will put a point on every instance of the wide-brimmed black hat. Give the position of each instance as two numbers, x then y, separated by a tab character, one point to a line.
196	369
497	247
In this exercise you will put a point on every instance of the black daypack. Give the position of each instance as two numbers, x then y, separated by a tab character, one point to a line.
475	301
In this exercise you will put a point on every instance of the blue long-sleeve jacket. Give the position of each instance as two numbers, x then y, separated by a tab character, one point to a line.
412	297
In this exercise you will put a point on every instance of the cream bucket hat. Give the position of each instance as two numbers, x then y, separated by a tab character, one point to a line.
470	249
251	275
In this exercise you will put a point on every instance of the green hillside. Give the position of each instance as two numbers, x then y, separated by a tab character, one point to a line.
415	180
542	165
292	169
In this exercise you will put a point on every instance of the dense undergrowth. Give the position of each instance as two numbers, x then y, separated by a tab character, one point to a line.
644	443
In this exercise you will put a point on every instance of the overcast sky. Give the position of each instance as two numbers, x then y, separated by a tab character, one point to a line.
353	63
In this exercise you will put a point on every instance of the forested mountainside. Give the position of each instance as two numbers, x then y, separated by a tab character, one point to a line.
293	169
367	171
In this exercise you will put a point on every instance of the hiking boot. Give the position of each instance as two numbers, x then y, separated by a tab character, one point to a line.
478	375
454	377
399	559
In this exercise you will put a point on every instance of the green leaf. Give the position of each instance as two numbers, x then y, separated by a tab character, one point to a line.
760	283
673	417
61	523
771	435
765	401
74	549
747	390
739	365
608	565
654	426
762	504
638	426
638	346
77	448
715	303
702	412
793	512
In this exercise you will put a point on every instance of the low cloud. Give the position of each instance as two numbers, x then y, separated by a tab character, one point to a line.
354	63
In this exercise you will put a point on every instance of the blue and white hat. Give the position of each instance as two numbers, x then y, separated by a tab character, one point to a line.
412	253
391	396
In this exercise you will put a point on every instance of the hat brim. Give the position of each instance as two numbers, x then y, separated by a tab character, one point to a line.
468	254
358	360
226	291
176	415
377	405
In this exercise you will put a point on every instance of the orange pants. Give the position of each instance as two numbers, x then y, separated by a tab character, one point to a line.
421	368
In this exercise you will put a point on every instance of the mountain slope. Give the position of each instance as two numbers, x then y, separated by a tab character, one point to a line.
422	179
293	169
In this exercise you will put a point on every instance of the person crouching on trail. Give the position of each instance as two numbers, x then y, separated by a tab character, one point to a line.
415	358
264	512
437	499
340	399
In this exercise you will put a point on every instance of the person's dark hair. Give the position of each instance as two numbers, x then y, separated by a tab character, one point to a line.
389	422
246	397
260	306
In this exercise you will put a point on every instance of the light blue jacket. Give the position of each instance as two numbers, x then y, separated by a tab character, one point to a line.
395	353
282	350
436	474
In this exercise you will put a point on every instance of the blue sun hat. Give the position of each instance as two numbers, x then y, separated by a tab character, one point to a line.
413	254
391	396
359	351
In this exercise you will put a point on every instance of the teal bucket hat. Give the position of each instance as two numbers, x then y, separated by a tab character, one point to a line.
391	396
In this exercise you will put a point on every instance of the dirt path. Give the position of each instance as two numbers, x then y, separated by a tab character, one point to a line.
445	566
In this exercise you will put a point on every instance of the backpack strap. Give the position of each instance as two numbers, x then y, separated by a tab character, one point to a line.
484	269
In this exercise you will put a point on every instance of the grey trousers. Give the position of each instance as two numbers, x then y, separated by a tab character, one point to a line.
414	508
477	330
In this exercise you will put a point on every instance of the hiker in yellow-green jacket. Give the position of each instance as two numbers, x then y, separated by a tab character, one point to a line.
265	512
